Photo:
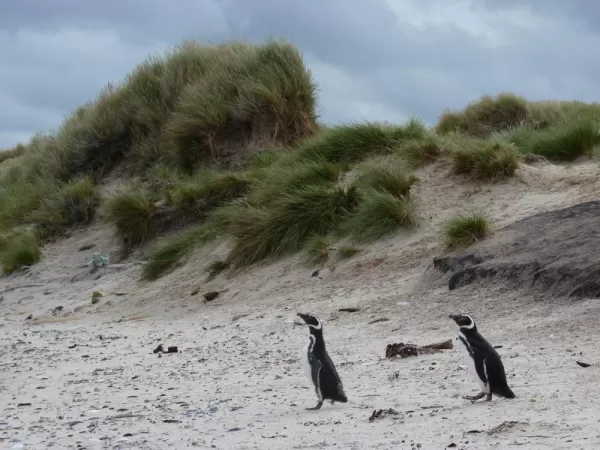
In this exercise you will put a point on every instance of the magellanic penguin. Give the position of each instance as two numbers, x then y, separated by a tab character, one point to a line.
482	360
318	364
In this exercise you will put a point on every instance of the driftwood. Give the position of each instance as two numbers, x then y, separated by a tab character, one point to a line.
405	350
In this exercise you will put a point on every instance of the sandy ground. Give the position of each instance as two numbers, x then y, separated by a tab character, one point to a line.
86	376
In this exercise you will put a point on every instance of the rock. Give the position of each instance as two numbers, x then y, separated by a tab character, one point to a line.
86	247
556	251
315	273
210	296
583	364
29	317
195	291
350	310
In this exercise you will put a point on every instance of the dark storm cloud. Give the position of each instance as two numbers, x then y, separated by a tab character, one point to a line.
373	59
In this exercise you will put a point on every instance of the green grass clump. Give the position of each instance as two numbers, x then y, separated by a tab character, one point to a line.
316	250
292	218
214	187
132	213
420	152
354	142
387	175
380	214
73	204
171	250
19	250
484	160
486	116
260	93
561	143
465	229
287	177
7	154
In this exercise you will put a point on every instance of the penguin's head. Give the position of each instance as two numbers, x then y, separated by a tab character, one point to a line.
464	321
311	320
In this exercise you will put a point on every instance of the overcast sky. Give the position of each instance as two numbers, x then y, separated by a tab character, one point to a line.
372	59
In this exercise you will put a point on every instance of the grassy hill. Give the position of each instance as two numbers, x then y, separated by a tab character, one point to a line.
222	142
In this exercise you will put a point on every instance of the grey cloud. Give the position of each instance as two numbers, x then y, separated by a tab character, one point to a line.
372	59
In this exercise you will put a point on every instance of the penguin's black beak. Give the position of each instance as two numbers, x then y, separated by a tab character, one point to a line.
454	317
302	316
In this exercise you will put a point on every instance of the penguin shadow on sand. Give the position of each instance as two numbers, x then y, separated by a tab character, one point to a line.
482	360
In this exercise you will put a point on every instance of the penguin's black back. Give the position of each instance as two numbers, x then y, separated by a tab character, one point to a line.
484	353
329	381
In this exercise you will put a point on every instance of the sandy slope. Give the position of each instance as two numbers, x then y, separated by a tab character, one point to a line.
93	381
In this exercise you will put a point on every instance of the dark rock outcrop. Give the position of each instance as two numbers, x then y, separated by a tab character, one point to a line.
556	251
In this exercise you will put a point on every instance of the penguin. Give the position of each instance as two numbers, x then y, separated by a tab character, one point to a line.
318	365
482	360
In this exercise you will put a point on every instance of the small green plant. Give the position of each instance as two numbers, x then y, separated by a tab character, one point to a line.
170	251
316	250
484	160
347	251
19	250
96	296
463	230
380	214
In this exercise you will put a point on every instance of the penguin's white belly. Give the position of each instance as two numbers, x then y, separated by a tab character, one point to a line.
305	362
470	363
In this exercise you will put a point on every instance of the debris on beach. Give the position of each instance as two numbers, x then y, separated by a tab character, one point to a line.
405	350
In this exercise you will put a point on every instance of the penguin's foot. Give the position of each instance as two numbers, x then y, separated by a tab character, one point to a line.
488	397
316	407
474	398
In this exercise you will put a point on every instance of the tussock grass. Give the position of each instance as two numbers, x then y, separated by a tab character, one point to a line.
7	154
380	214
287	177
484	160
486	116
214	187
259	93
291	219
561	143
132	213
170	251
17	250
387	175
316	250
420	152
465	229
73	204
354	142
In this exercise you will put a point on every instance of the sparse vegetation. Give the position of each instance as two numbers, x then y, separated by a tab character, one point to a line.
171	250
215	268
465	229
222	140
316	250
347	251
